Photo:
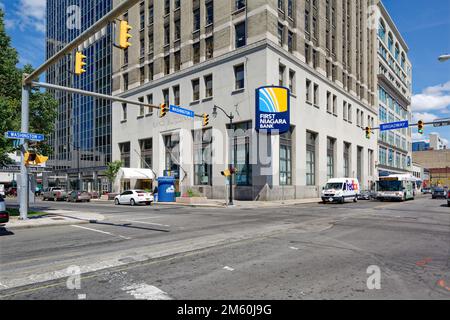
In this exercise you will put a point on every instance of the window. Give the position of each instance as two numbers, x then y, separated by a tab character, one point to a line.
370	163
196	90
209	13
172	147
344	111
196	20
281	71
151	72
286	158
151	14
177	61
124	112
292	81
335	105
280	34
329	110
350	114
307	54
166	6
166	97
291	41
330	157
239	4
177	4
141	107
310	158
125	154
177	30
150	101
167	34
240	35
125	81
308	91
281	5
146	153
208	86
167	65
290	9
202	157
241	134
239	77
196	52
316	95
125	56
209	44
176	95
347	150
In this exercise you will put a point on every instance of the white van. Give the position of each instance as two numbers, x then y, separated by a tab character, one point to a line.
340	190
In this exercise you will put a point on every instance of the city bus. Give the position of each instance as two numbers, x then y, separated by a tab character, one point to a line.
400	187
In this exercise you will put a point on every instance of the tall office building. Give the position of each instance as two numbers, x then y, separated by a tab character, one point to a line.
202	53
82	138
394	96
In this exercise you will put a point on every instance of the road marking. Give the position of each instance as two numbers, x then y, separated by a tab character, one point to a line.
146	292
228	268
2	285
100	231
150	223
294	248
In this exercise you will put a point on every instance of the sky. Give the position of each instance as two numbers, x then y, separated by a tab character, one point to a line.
425	26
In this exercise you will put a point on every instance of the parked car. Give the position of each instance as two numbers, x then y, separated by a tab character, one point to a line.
134	197
11	192
57	194
439	193
4	215
426	191
79	196
448	198
339	190
365	195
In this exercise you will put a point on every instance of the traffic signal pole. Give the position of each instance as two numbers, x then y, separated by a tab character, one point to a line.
23	168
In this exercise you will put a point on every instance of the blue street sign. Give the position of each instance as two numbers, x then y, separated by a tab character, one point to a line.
26	136
394	125
181	111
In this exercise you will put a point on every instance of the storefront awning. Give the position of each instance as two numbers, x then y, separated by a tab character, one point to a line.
138	174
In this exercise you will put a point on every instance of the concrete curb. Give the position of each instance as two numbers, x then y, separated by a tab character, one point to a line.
56	224
70	218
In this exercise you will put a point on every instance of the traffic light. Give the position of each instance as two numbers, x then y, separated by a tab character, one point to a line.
124	34
32	158
420	127
226	173
205	119
368	132
163	110
79	63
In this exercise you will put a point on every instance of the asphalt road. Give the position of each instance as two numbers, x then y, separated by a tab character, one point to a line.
313	251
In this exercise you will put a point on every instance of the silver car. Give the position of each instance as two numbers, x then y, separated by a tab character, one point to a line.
4	216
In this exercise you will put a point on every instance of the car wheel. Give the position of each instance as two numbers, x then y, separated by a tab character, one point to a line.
117	202
132	202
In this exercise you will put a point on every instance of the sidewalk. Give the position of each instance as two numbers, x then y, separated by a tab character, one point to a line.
55	218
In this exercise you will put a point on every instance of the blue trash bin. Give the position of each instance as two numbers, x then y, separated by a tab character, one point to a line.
166	189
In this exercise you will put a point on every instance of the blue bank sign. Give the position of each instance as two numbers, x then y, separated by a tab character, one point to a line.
273	109
394	125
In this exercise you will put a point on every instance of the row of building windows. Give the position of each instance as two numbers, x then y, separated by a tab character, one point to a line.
393	159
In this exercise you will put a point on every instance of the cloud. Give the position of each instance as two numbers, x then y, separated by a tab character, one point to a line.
29	14
424	116
418	137
435	98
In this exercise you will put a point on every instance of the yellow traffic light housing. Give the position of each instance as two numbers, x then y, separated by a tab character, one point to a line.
79	63
163	110
124	34
420	126
226	173
368	132
205	119
32	158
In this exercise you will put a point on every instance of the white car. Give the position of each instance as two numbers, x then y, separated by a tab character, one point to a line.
134	197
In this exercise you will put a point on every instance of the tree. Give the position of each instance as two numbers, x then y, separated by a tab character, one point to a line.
43	107
113	170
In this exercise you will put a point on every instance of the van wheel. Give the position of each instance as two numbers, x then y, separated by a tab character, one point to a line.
355	200
342	200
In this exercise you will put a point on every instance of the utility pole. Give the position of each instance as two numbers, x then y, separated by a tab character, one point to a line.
23	168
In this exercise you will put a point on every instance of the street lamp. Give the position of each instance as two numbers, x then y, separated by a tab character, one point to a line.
230	166
444	57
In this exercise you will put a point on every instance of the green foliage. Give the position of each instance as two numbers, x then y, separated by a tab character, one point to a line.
113	170
43	107
192	194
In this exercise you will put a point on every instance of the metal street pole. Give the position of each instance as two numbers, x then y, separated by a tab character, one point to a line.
230	166
23	168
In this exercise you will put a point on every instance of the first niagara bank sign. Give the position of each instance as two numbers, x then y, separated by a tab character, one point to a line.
273	109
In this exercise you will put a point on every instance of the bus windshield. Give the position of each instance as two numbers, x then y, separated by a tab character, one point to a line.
391	185
336	186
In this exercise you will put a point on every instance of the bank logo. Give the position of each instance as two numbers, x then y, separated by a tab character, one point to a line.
273	109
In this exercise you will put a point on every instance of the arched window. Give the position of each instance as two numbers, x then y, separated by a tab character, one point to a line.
382	30
390	42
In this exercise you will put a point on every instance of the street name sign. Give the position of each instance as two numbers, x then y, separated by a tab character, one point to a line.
181	111
441	122
394	125
25	136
